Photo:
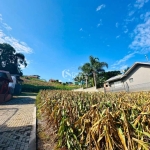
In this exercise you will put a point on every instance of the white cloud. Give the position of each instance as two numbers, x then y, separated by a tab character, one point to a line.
126	31
146	16
6	26
140	35
124	59
100	7
140	3
19	46
141	41
131	13
142	16
117	36
123	67
98	24
81	29
129	20
117	24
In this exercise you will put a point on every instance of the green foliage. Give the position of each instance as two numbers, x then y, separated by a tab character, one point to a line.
94	67
10	60
126	69
109	74
103	76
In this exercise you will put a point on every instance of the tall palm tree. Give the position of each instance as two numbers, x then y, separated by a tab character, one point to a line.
94	67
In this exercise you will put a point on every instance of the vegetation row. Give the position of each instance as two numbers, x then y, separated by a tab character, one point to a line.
87	121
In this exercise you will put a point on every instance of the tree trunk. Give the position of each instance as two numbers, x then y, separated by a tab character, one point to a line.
86	82
94	76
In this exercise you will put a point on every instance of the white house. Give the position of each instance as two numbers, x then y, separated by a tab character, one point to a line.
137	78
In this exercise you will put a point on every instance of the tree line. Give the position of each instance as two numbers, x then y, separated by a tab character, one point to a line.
93	73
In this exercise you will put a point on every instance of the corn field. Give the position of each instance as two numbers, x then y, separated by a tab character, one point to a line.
97	121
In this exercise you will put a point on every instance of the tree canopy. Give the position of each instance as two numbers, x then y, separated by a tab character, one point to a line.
93	73
125	70
10	60
93	67
109	74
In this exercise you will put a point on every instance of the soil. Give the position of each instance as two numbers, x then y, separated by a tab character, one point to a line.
46	136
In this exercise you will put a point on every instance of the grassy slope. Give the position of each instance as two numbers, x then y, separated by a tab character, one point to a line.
35	85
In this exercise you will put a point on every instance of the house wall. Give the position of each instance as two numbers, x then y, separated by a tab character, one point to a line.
114	86
140	75
141	80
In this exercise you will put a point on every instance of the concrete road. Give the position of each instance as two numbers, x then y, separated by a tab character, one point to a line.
18	124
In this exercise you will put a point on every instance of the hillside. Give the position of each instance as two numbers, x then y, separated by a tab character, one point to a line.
35	85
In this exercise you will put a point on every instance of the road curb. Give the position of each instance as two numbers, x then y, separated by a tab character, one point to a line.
32	142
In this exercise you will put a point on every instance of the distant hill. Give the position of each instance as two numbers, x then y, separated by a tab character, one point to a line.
35	85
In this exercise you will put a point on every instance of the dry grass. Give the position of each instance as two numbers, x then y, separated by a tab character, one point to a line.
117	121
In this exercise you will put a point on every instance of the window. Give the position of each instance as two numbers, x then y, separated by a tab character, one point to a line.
131	80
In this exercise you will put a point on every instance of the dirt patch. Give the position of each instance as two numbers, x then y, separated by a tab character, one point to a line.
46	136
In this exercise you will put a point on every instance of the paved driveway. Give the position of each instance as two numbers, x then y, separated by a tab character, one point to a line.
16	123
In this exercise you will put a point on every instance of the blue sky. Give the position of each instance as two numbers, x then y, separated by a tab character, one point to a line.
58	36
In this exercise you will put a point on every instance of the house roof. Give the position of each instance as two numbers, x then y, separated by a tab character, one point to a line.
134	65
114	78
128	71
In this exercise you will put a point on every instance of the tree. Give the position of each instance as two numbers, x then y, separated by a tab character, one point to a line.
103	76
109	74
94	67
80	78
125	70
10	60
86	72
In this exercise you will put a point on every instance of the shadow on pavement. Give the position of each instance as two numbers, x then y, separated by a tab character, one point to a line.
16	137
16	134
20	100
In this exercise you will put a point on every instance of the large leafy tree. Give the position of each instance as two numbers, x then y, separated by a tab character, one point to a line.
93	67
10	60
109	74
103	76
